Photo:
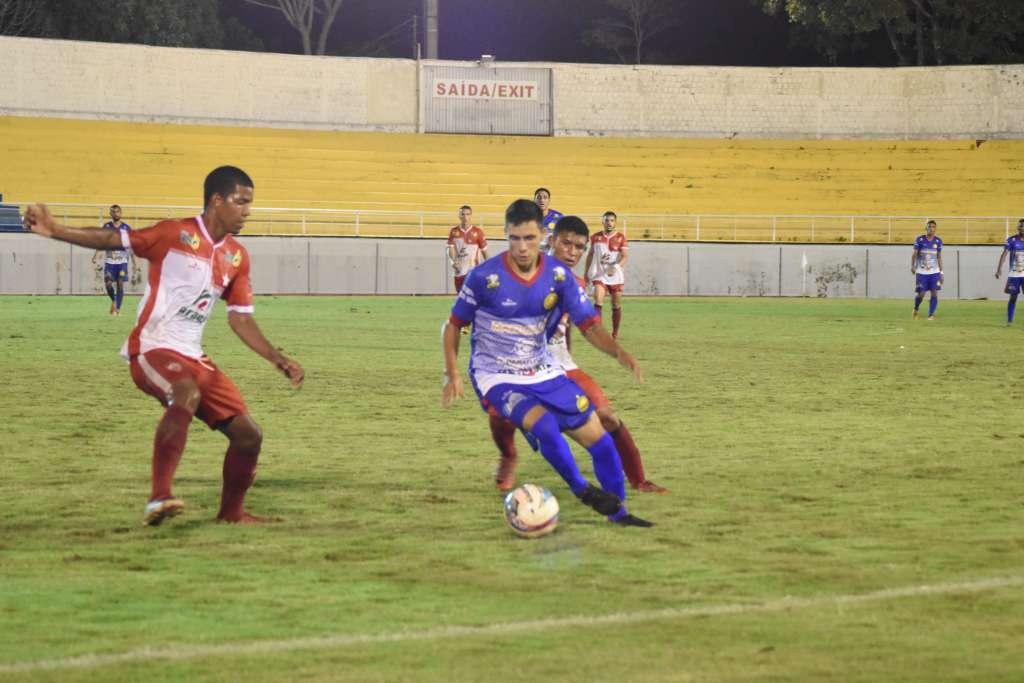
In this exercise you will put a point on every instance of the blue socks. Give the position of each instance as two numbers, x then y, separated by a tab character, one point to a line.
608	466
120	295
1011	307
917	302
556	451
933	303
109	286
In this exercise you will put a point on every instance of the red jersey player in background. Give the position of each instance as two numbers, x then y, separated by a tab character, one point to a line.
193	262
604	267
467	246
568	245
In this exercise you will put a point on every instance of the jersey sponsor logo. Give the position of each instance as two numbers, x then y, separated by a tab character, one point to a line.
525	348
559	272
233	259
509	302
517	328
199	310
190	239
582	403
492	281
550	300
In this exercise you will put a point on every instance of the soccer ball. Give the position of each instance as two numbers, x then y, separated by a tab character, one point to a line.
531	511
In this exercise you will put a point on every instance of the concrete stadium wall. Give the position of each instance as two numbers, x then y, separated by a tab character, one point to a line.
338	265
53	78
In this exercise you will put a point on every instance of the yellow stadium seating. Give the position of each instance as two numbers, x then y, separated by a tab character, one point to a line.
135	164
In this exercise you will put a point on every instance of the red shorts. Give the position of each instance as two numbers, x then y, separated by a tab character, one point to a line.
459	279
155	371
589	387
610	288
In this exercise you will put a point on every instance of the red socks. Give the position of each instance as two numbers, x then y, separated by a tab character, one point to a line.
616	319
630	455
504	434
168	445
239	472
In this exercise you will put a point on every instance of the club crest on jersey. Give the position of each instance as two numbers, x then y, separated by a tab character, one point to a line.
492	281
559	272
582	403
190	239
550	300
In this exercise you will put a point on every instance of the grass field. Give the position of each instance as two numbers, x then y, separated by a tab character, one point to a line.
847	489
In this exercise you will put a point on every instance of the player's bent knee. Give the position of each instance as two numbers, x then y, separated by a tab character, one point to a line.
533	415
244	433
589	433
609	420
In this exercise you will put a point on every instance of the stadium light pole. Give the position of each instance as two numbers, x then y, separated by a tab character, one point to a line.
430	12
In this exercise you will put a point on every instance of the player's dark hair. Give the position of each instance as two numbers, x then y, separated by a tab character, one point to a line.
467	207
609	213
223	181
541	189
522	211
115	206
931	223
572	224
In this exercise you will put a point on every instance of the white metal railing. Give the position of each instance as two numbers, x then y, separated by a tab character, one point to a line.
777	228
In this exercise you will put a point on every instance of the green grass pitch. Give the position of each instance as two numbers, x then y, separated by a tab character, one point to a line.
825	458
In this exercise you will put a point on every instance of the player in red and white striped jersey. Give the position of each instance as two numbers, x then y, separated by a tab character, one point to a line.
467	246
193	262
605	262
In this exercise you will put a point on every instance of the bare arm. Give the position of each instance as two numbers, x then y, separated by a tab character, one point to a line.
939	257
39	220
586	266
483	253
599	338
244	325
1002	259
623	257
453	387
913	261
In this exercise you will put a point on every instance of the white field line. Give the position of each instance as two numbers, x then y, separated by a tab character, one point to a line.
177	653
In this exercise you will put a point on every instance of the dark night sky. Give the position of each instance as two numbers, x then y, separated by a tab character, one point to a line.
722	32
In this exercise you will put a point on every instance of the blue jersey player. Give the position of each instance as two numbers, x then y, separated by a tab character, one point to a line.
510	300
926	265
549	217
1015	276
115	263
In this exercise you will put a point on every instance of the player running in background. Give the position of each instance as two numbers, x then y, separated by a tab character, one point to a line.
926	264
571	237
115	263
467	246
1015	276
604	267
510	300
193	262
549	217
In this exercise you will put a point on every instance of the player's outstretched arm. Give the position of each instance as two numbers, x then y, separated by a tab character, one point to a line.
453	387
913	262
244	325
39	220
598	336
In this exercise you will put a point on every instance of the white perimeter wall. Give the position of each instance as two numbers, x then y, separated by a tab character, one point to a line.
336	265
135	82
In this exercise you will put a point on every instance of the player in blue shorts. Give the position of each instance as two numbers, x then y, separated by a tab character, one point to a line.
115	263
926	264
510	300
549	217
1015	276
